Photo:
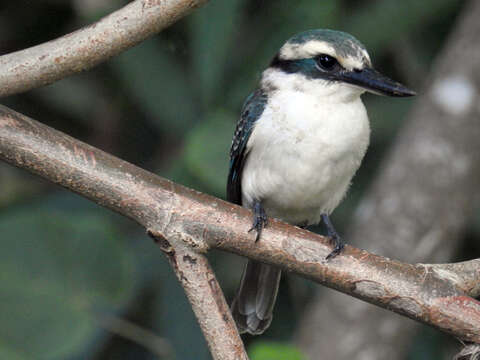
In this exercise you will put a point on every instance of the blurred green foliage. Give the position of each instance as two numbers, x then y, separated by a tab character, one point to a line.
170	105
58	268
273	351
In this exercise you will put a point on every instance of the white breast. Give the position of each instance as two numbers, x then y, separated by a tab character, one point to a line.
304	150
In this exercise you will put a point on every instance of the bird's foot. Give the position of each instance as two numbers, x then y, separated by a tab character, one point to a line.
339	244
337	241
260	219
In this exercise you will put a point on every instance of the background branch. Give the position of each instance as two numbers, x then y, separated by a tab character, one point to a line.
187	223
148	339
419	205
81	50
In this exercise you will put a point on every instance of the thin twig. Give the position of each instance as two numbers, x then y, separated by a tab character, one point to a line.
128	330
81	50
195	221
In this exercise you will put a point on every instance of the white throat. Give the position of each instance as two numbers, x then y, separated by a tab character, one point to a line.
323	90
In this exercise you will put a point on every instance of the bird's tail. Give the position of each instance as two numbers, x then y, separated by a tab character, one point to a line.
253	305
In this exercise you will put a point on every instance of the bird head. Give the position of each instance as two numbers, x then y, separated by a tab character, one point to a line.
332	61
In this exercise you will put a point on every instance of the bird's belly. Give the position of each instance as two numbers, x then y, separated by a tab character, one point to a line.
300	191
300	173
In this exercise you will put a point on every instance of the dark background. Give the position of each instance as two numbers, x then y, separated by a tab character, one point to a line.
69	270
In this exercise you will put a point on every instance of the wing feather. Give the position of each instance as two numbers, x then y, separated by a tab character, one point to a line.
251	112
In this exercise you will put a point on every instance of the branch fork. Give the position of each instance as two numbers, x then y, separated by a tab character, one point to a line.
186	224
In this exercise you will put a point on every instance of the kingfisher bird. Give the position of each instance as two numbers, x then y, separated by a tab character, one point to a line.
300	139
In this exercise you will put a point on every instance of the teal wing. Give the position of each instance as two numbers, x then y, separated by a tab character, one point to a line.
251	112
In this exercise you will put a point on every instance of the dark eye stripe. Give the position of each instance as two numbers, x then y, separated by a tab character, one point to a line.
308	67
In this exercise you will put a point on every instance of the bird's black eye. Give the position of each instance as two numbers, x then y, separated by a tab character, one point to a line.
326	62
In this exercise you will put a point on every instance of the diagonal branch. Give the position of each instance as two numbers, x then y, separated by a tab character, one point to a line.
187	223
142	196
81	50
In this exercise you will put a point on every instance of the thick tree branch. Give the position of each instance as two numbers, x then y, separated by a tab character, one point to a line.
188	223
81	50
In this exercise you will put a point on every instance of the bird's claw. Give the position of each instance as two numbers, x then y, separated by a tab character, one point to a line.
337	241
260	219
339	244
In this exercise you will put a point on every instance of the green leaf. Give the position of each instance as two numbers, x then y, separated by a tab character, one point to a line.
42	325
394	18
310	14
6	352
274	351
207	148
159	83
212	30
292	17
56	270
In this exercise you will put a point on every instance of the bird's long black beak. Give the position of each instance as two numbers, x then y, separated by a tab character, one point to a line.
373	81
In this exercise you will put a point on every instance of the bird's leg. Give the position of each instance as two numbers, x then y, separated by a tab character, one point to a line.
334	237
260	219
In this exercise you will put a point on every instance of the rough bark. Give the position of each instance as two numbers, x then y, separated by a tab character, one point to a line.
205	296
418	206
186	224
